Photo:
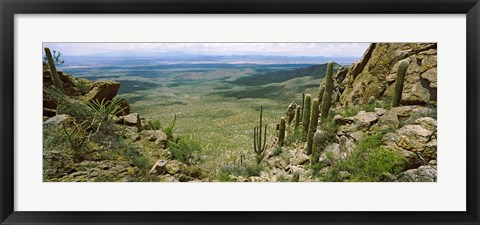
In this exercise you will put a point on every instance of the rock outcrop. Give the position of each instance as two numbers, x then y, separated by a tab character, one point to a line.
374	75
103	91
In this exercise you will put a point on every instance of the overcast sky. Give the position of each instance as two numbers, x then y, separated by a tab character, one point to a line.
282	49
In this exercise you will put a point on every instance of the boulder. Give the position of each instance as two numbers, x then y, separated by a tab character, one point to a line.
58	119
173	167
132	119
103	91
365	119
340	120
375	74
417	142
159	167
299	158
421	174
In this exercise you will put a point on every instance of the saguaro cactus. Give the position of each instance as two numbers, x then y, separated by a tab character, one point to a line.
319	139
257	138
306	114
313	124
327	94
297	118
53	70
281	131
397	95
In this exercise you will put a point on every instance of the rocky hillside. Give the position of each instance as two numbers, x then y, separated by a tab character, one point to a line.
365	138
375	120
90	135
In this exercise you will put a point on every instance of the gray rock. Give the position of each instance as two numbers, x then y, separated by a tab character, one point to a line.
422	174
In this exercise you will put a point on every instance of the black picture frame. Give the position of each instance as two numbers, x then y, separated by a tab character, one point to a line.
11	7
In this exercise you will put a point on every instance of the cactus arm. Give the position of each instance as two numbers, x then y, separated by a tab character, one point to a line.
255	139
264	138
53	71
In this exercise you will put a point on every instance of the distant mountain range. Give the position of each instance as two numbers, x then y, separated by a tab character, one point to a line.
179	58
315	71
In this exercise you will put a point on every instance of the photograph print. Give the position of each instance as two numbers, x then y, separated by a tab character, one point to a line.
239	112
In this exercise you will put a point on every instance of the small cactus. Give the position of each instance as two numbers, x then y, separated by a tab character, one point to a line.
297	117
313	125
327	94
319	140
281	131
53	70
397	95
306	114
257	138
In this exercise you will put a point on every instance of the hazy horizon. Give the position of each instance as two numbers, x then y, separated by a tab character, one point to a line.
346	50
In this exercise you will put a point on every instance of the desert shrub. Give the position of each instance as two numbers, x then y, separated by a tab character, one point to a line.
153	125
349	111
77	133
138	159
249	170
224	176
79	110
277	151
330	128
185	149
253	170
54	138
106	109
368	162
56	56
293	137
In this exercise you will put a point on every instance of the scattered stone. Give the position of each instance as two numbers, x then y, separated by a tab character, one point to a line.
421	174
159	167
103	91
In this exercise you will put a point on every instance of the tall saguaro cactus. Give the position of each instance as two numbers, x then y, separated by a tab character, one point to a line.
257	138
306	114
53	70
313	125
327	94
281	131
397	95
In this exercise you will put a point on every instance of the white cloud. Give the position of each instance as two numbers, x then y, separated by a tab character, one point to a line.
286	49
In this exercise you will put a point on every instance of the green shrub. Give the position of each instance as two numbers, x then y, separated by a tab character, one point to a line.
349	111
153	125
75	108
224	177
185	149
294	136
277	151
253	170
106	109
368	162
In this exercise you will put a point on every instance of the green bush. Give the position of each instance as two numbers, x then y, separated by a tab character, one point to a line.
349	111
77	109
253	170
368	162
224	177
185	149
153	125
106	109
294	136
